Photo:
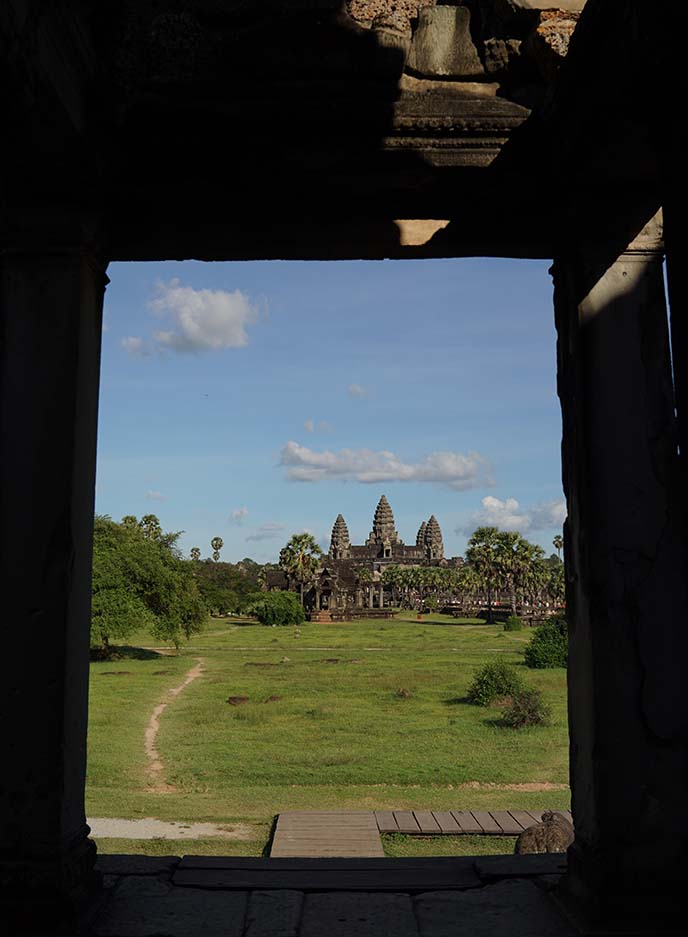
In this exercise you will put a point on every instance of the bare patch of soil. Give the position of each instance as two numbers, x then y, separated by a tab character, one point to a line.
237	700
155	766
525	786
273	699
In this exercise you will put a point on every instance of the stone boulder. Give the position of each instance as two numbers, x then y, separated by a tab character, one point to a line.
442	45
515	18
366	12
499	55
548	43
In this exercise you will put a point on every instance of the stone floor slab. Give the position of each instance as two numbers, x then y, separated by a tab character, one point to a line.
149	907
274	914
136	865
495	868
507	909
358	914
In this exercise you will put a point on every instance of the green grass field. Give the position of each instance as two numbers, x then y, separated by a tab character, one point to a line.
339	736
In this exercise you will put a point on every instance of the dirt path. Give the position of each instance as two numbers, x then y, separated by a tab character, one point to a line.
155	766
150	828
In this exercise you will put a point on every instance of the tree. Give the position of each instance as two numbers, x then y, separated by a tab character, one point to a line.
217	543
195	554
558	544
482	554
300	559
140	581
517	561
277	608
150	525
392	578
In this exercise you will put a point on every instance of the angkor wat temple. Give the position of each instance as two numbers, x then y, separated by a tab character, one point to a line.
350	578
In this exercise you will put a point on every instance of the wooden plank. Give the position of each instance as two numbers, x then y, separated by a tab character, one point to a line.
490	828
406	821
386	822
446	821
427	823
325	834
536	815
503	818
523	817
467	822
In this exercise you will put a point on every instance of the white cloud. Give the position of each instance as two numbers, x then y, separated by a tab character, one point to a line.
135	346
155	496
238	515
355	390
265	532
368	466
322	426
202	320
549	515
509	515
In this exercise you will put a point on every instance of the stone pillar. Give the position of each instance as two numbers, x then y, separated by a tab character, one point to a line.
370	596
317	600
626	585
50	322
381	597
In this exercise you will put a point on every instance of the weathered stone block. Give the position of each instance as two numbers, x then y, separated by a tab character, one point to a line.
548	44
274	914
507	909
147	907
443	46
366	12
358	914
523	6
500	54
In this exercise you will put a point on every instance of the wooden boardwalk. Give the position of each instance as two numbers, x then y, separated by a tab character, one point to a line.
460	822
326	834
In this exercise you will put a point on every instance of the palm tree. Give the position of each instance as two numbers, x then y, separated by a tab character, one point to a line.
217	543
300	559
558	544
517	559
391	577
195	554
482	554
150	525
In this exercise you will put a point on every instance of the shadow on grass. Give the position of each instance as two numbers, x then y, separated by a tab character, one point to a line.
271	836
124	652
453	623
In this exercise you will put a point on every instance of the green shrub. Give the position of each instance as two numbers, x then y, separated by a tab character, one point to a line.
278	608
494	680
513	623
549	646
526	708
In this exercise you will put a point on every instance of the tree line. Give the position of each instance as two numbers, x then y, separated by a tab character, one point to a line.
497	564
141	580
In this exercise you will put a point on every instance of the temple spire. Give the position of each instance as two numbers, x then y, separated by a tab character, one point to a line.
434	547
383	532
339	542
420	536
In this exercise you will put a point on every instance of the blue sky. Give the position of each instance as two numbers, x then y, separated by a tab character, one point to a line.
254	400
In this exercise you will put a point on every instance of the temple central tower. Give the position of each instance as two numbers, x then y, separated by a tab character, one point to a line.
383	533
